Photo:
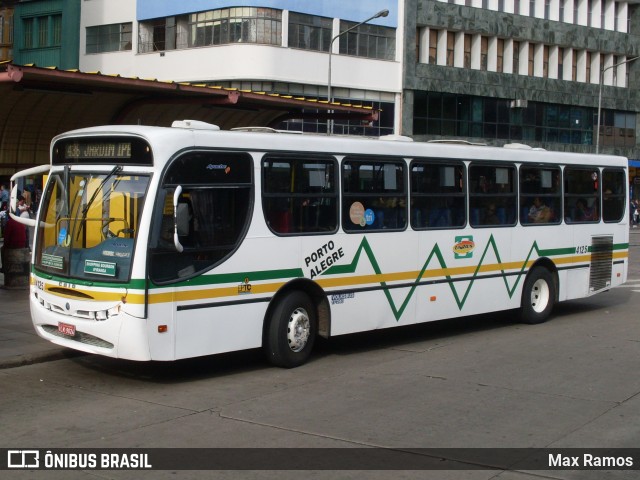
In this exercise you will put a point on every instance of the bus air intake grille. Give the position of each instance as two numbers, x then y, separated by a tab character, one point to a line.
601	263
78	337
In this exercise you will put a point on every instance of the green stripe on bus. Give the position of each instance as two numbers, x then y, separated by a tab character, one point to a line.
436	252
237	277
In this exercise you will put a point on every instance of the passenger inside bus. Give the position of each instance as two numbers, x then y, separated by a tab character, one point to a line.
539	212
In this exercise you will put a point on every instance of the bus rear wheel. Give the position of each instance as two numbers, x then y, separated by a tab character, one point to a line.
538	296
292	330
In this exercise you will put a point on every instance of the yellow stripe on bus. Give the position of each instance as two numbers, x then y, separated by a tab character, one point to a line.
267	288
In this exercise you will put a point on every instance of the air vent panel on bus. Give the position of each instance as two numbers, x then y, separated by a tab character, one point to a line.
601	263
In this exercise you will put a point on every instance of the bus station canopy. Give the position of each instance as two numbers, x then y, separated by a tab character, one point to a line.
38	103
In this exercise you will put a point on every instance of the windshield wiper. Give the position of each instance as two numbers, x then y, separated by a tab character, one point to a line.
115	170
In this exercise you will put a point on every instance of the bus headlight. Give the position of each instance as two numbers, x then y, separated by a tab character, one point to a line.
102	315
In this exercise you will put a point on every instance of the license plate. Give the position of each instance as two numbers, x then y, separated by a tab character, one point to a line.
66	329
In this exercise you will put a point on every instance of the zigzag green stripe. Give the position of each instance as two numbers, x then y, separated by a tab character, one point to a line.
435	252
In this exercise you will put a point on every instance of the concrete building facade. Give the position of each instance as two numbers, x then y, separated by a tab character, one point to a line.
270	46
504	71
493	71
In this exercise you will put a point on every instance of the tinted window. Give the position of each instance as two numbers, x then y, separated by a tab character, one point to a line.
492	195
613	195
581	194
437	195
374	195
215	205
299	194
540	195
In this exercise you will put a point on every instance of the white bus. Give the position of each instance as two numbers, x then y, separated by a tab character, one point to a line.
166	243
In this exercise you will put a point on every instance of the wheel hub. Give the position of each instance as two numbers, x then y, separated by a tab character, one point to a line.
298	329
539	296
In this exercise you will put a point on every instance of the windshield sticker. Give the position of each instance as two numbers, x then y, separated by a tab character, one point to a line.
111	253
62	236
356	214
369	216
100	268
52	261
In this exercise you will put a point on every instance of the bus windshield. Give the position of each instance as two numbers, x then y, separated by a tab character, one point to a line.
88	223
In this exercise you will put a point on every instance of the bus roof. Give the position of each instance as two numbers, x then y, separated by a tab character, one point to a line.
185	134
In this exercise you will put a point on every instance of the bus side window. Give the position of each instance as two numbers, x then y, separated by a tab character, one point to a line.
374	194
299	193
437	194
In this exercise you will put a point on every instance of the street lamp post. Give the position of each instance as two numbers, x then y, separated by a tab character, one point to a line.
600	97
381	13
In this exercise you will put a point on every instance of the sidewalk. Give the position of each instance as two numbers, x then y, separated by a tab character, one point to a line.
20	345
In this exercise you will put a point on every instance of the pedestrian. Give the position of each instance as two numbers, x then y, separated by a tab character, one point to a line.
15	236
4	197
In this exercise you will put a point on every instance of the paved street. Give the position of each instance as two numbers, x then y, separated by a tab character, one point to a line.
484	381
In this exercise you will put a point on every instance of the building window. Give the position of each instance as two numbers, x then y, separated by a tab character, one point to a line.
109	38
531	59
155	35
43	32
484	50
433	46
236	25
588	66
56	25
444	114
27	39
467	50
370	41
500	59
309	32
545	61
560	63
451	42
516	57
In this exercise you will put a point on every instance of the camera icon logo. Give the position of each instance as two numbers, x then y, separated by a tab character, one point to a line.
23	459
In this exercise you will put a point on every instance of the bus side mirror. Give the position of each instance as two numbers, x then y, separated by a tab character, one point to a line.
176	212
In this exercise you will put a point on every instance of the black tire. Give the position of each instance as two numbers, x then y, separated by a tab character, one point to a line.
292	330
538	296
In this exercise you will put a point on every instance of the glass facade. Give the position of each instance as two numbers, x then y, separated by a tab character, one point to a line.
235	25
367	40
452	115
309	32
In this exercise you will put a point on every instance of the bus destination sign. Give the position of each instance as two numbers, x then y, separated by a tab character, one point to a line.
84	151
119	150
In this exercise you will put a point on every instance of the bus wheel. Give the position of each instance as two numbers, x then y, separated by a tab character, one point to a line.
538	296
291	331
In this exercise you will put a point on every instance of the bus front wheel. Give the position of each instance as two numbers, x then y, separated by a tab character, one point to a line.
291	332
538	296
